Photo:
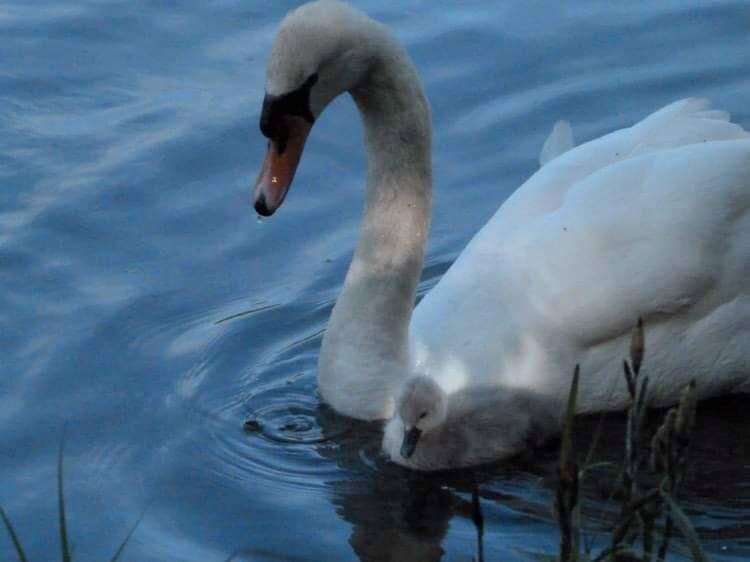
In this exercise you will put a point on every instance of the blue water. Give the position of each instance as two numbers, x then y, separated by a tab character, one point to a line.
146	309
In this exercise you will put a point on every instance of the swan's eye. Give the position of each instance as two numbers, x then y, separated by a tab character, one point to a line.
276	107
422	415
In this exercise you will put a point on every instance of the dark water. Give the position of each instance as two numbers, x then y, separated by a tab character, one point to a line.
144	306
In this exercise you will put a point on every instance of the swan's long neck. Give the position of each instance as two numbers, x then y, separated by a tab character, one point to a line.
365	351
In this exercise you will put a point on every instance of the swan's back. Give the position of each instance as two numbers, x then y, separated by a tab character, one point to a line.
682	123
650	221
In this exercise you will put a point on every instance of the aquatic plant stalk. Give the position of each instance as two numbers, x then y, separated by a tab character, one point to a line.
13	536
64	544
66	554
641	505
566	500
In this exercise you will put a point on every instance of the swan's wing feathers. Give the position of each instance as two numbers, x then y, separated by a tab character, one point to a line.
648	237
559	141
685	106
583	249
717	114
682	123
682	109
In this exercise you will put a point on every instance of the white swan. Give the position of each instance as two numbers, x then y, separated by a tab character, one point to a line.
650	221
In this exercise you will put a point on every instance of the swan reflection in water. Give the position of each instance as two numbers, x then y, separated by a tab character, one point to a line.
398	514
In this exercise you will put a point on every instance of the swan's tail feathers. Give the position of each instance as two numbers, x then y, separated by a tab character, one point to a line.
684	122
559	141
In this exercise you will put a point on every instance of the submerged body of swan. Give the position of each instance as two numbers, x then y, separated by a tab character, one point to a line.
650	221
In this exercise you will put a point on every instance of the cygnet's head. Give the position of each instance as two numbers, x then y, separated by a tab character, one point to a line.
322	49
422	406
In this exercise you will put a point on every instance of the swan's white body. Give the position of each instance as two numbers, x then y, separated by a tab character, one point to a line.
652	221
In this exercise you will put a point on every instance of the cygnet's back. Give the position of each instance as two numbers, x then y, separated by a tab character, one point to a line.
476	425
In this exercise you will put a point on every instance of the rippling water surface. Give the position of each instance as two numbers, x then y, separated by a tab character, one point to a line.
144	307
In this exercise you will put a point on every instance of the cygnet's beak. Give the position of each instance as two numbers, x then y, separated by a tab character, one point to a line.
411	438
280	164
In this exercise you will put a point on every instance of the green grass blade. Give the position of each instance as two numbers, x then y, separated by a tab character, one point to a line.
64	545
125	542
596	466
13	536
686	528
566	447
637	347
594	442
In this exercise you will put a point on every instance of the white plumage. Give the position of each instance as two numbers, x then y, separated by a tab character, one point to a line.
651	221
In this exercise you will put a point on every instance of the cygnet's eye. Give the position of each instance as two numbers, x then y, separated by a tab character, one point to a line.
422	415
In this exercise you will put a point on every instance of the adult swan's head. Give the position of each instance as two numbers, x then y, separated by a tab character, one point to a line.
323	49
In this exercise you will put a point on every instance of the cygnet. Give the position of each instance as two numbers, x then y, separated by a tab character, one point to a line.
432	430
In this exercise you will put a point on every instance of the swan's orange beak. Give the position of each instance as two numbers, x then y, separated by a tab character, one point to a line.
280	164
